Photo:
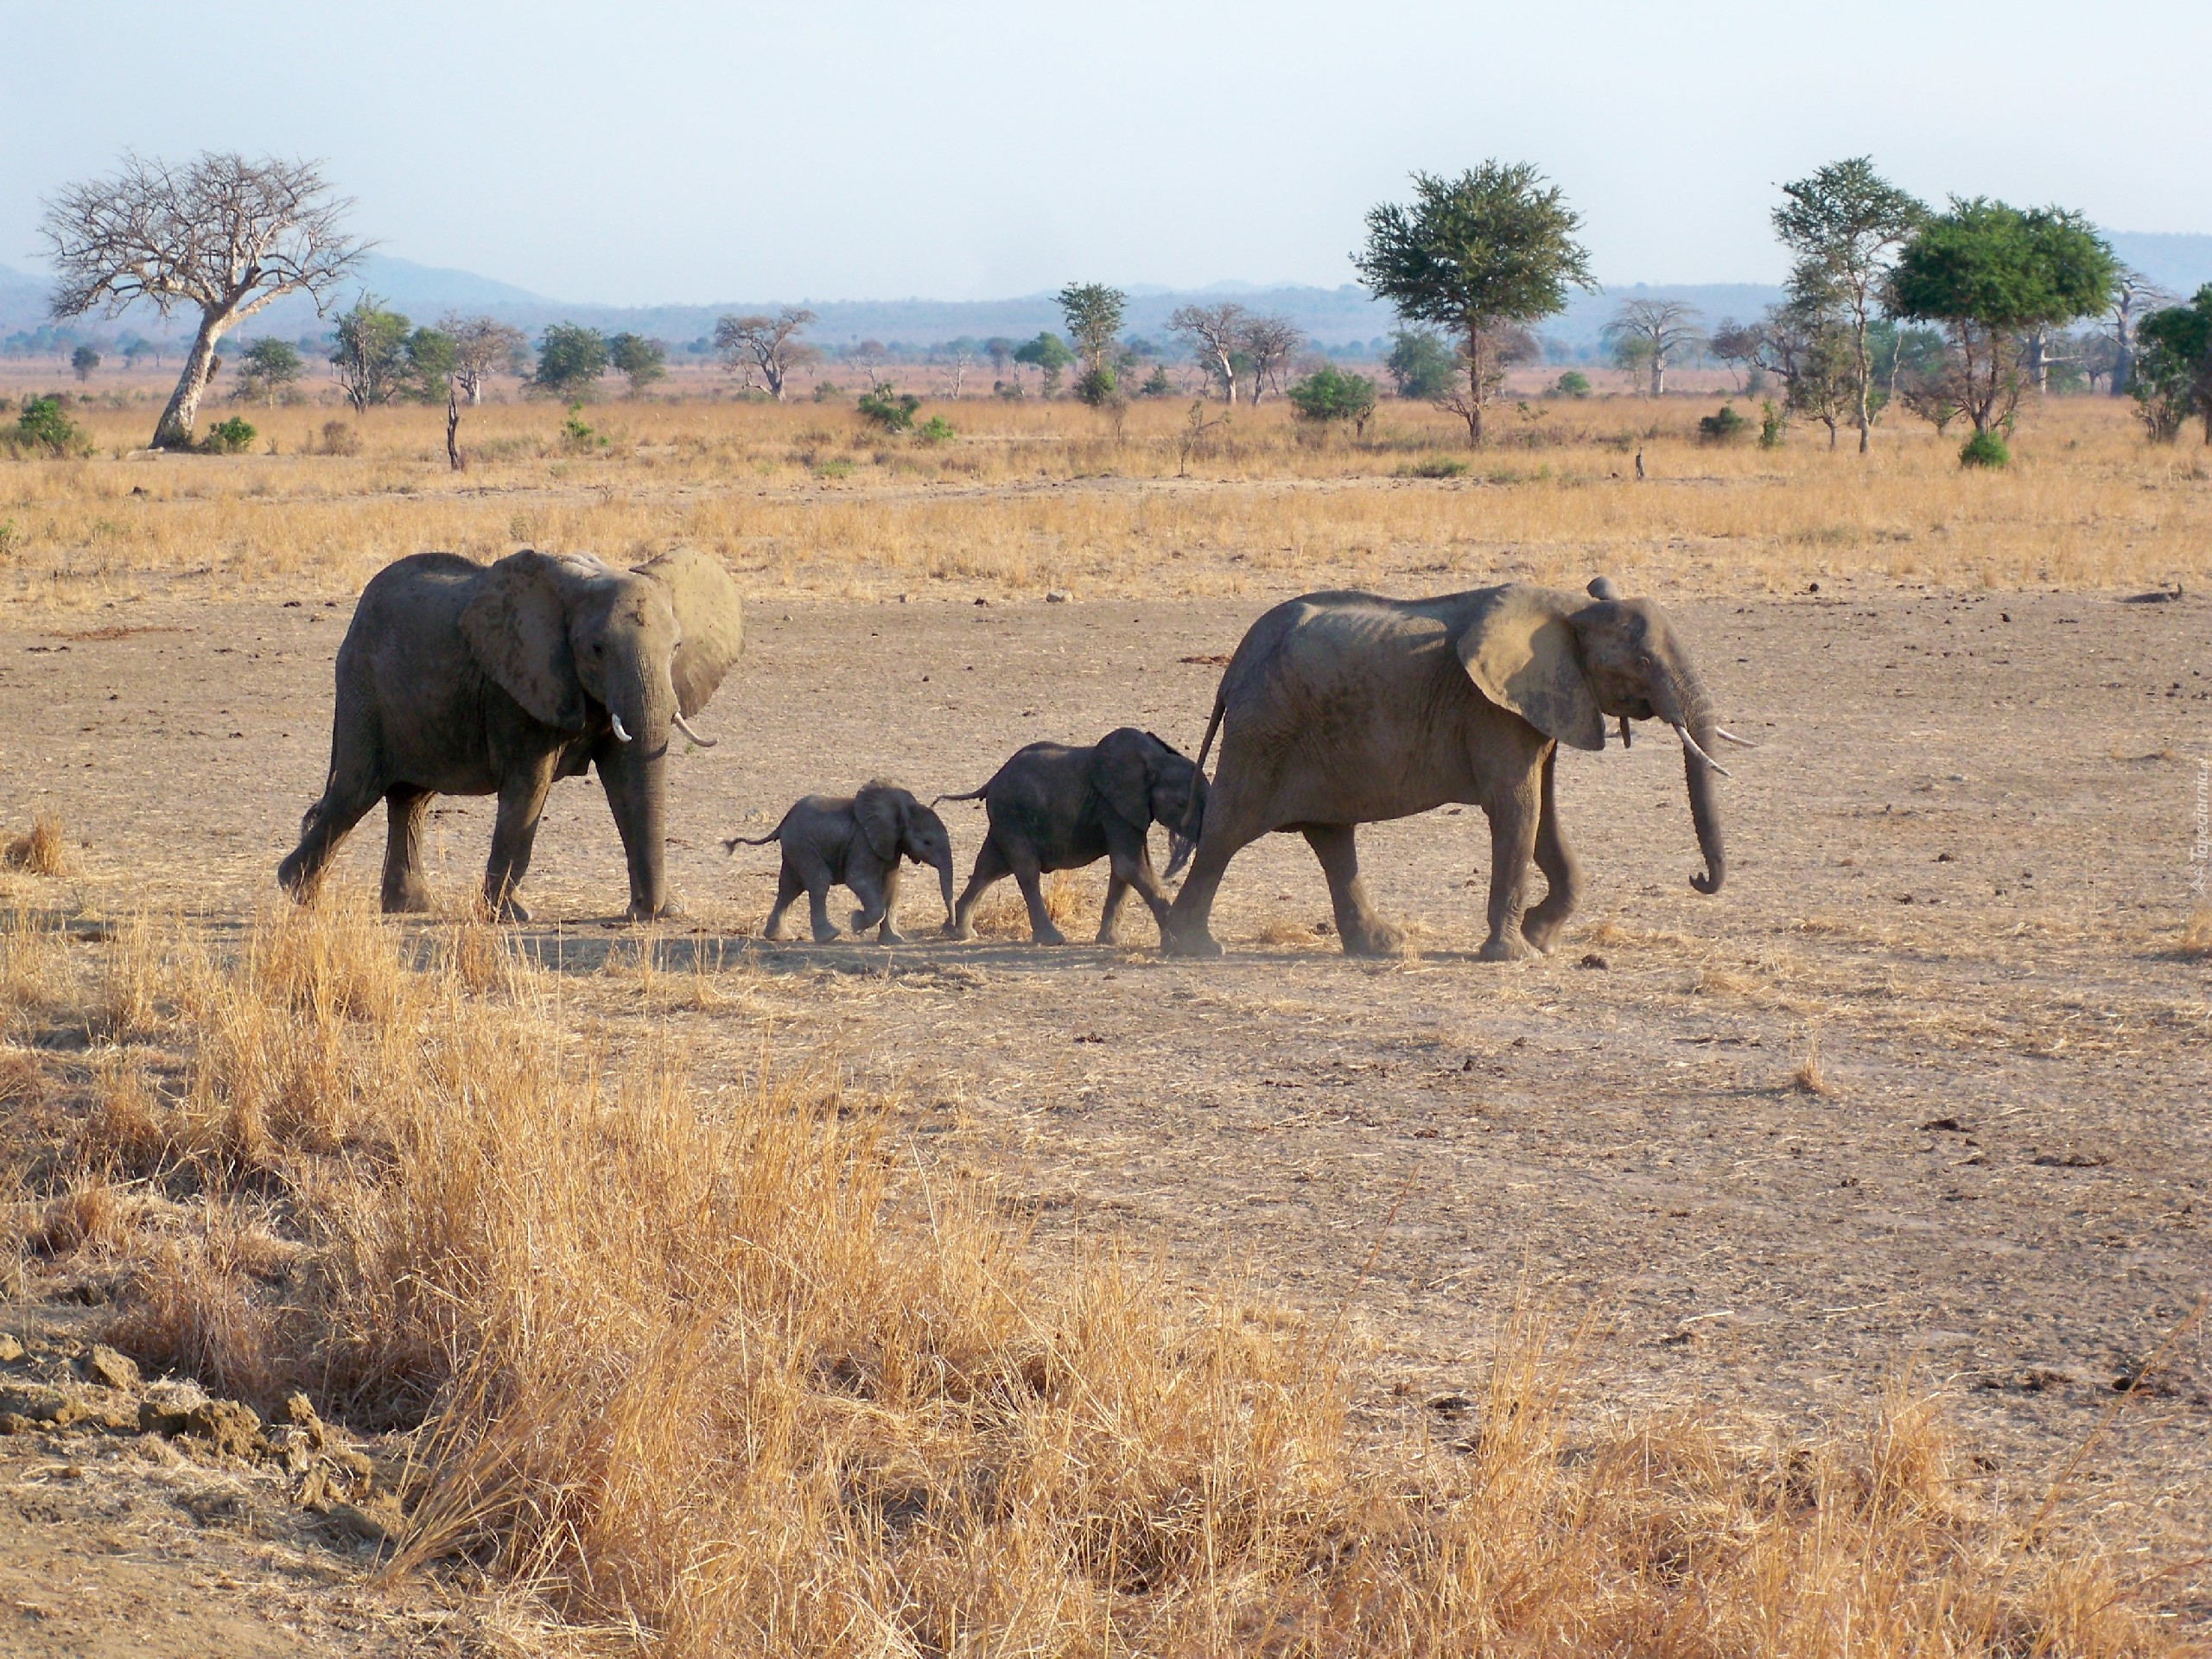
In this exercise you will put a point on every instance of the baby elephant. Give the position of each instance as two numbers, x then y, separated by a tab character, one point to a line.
854	841
1056	807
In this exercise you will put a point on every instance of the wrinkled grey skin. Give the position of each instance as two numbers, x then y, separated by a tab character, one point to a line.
1056	807
458	678
1344	708
856	841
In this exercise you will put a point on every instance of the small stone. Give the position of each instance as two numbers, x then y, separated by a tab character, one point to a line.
1593	960
11	1349
110	1369
1054	596
38	1405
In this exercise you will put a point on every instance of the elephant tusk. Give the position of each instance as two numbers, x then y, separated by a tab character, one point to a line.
1740	742
1690	743
619	733
684	727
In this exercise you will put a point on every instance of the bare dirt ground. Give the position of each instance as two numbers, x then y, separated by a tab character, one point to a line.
1961	865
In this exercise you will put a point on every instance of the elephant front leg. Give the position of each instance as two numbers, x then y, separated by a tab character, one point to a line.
1029	875
1364	932
788	888
406	809
1512	843
1133	871
522	802
1562	874
888	934
878	892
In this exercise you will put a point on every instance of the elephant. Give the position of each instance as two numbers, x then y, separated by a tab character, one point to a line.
1344	708
854	841
1056	807
460	678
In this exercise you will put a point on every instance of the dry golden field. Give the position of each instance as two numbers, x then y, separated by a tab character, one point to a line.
1817	1269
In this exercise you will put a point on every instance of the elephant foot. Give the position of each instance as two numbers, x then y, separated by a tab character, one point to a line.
1542	938
1376	938
641	912
885	936
412	901
1507	947
509	909
1108	936
1199	945
958	930
1047	936
827	936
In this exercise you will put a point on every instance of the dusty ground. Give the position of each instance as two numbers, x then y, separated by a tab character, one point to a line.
1961	862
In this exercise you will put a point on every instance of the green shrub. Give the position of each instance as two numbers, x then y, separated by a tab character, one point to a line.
229	438
44	428
1096	387
1422	366
1329	394
1985	449
1572	383
1724	426
936	430
578	436
835	467
1157	384
1434	466
1774	425
827	392
888	407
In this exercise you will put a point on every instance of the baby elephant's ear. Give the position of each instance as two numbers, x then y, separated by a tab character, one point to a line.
881	810
516	626
1122	769
1521	654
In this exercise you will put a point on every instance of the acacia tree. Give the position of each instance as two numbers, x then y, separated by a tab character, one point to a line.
2173	370
765	344
1989	273
1650	333
369	353
481	347
1268	344
221	234
1845	224
271	366
1216	336
1094	317
641	360
1490	250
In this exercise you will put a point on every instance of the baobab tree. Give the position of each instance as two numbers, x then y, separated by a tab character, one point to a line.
766	345
1651	334
220	233
2134	296
1216	333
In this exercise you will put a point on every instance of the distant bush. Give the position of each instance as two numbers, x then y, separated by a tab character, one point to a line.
1009	390
1774	425
229	438
338	438
1572	383
1985	449
1434	466
577	434
888	407
827	392
1096	387
1329	394
44	429
1421	365
1157	384
1724	426
936	430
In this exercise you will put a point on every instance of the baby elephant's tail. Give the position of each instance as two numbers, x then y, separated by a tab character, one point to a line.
736	841
974	794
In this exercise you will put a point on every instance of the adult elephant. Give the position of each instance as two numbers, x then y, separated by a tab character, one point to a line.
1344	708
459	679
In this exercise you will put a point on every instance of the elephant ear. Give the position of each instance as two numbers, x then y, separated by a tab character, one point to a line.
1520	652
709	617
1121	768
516	626
880	810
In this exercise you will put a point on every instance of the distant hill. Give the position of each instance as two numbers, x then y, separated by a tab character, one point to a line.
2181	264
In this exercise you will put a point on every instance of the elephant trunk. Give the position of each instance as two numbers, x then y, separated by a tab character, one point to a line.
1689	710
634	772
944	883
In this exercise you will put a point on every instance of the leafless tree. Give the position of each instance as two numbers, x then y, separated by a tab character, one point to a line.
481	347
1483	357
962	357
766	345
220	233
2134	296
1737	344
1268	342
1651	334
1216	333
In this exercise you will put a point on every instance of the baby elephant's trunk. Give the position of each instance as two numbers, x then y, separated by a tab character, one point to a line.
944	883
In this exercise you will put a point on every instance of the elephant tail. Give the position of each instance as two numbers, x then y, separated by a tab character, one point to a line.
1213	724
974	794
776	834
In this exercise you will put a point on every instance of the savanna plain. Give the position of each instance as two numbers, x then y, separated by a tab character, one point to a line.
1815	1269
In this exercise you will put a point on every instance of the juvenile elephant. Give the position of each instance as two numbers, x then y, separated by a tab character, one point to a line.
1056	807
1343	708
856	841
458	678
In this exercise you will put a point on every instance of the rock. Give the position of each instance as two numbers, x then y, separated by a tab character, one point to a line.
38	1406
110	1369
229	1427
1593	960
11	1349
1054	596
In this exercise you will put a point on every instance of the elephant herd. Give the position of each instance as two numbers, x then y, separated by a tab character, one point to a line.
1337	709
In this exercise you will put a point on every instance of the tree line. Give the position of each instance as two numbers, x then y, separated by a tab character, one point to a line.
1953	315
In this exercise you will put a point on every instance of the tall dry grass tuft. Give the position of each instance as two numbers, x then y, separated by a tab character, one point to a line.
43	849
758	1379
2196	934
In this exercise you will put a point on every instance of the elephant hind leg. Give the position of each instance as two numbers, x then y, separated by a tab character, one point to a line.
344	802
406	809
1364	932
990	868
788	888
1563	873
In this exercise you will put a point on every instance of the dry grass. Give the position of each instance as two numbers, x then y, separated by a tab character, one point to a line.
2196	934
43	849
1808	1078
804	498
744	1374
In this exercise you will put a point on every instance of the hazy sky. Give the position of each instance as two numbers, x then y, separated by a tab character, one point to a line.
695	152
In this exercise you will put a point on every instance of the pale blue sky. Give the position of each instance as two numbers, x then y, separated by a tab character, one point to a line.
699	152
